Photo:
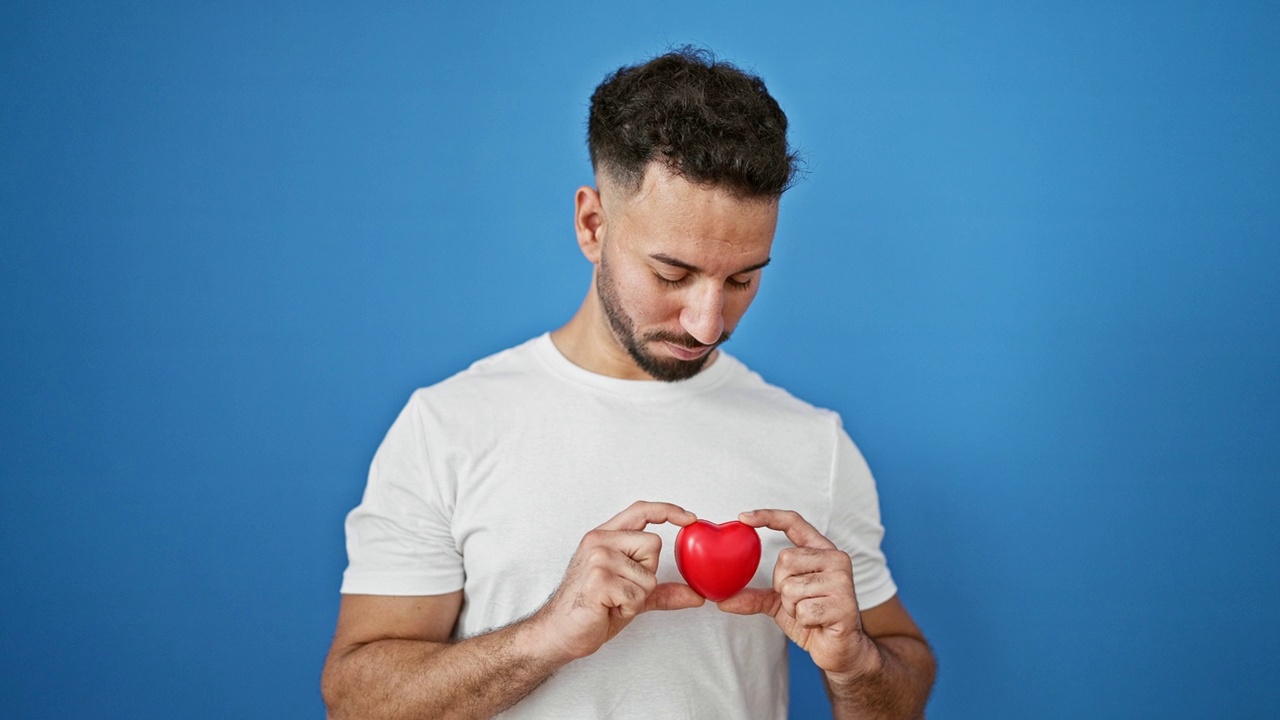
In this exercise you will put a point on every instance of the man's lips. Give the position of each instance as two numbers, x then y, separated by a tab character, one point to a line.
687	353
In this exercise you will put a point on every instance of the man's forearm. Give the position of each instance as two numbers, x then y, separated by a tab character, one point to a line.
477	677
898	687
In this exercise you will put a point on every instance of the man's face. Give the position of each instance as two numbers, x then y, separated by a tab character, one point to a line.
679	265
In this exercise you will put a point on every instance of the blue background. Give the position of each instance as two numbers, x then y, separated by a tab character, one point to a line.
1034	265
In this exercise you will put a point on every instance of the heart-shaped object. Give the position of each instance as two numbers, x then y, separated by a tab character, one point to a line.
717	560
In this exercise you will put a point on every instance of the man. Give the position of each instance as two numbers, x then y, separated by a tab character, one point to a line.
513	548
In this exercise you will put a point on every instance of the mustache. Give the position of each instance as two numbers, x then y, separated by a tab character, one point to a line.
684	339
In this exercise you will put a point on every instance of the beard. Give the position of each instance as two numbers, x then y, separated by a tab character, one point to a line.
624	331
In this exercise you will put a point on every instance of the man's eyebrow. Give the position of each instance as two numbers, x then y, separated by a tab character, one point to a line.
668	260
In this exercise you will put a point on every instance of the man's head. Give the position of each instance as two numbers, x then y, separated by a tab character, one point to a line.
691	158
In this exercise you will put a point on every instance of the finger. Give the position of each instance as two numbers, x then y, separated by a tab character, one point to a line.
673	596
642	514
643	547
751	601
797	529
816	612
803	561
790	592
626	597
798	588
604	564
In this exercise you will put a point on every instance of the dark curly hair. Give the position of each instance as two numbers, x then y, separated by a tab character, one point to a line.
708	121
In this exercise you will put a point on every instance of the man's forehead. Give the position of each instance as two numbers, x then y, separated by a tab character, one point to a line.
695	227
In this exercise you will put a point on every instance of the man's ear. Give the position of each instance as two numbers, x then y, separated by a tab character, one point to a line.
589	221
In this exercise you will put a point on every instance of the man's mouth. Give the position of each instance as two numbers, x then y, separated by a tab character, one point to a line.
685	352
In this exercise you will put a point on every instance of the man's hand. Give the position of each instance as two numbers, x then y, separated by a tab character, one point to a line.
392	658
610	580
875	664
812	598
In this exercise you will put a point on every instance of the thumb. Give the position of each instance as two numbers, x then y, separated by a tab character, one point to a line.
751	601
673	596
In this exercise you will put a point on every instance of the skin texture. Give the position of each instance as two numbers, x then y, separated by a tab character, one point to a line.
676	265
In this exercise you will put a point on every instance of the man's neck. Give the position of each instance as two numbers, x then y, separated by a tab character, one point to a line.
587	342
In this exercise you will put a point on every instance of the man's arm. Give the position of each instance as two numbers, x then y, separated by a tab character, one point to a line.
391	657
875	664
897	683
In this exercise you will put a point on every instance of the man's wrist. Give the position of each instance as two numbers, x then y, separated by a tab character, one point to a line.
869	665
531	641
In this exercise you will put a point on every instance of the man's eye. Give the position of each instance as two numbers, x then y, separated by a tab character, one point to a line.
740	284
669	282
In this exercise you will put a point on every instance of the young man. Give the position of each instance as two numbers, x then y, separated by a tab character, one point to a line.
513	548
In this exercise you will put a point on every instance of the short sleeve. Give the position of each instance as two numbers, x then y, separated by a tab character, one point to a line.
855	522
399	539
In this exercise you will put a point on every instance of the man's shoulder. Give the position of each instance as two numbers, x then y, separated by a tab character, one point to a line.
750	388
491	375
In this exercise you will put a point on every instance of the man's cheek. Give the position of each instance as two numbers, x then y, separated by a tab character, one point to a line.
734	312
650	311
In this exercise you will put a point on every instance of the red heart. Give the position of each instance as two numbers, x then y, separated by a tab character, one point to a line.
717	560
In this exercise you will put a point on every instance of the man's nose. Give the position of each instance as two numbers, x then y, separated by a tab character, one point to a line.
703	316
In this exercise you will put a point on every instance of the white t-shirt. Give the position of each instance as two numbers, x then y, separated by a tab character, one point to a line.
487	481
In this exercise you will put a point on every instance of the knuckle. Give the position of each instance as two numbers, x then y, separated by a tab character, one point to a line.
791	587
597	554
789	607
597	575
780	576
811	612
802	556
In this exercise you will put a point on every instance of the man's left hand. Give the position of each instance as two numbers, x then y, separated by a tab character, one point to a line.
812	598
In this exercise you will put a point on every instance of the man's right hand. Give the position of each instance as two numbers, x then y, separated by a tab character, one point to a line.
392	657
610	580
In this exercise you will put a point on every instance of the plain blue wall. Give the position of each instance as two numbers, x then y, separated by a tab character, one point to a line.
1034	265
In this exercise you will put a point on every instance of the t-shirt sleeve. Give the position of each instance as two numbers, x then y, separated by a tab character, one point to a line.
398	538
855	522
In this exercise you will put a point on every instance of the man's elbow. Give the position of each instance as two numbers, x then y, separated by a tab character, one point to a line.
334	684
